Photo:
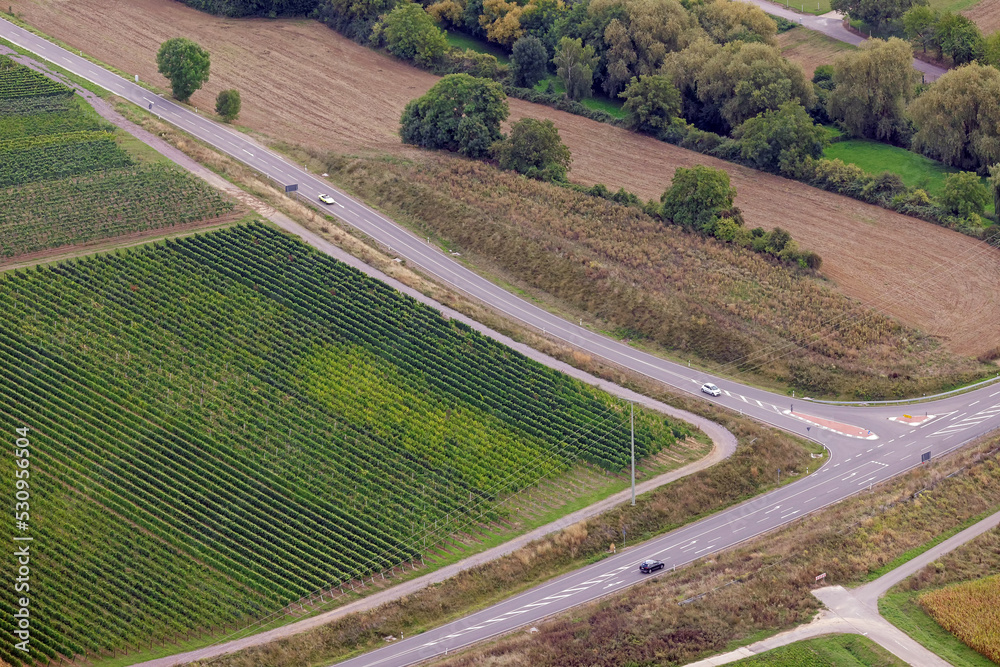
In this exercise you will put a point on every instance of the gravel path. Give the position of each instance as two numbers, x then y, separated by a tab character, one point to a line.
856	610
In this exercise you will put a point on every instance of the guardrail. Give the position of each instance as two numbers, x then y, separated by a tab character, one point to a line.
971	387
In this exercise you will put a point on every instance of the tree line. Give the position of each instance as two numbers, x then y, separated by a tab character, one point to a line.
707	75
463	114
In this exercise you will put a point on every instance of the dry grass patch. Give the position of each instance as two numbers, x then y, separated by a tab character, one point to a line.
810	49
692	295
305	84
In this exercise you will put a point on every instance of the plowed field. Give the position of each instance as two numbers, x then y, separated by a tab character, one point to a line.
986	14
304	83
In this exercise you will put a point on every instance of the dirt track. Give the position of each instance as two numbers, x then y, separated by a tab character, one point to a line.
304	83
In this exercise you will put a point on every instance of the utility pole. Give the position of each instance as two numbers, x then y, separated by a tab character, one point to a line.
632	423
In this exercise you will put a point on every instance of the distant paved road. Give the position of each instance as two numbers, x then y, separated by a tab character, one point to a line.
832	25
867	445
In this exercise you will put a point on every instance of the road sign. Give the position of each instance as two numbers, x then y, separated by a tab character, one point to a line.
821	577
291	187
925	457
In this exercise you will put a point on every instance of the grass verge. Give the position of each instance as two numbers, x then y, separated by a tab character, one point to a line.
917	171
903	611
832	651
460	40
974	560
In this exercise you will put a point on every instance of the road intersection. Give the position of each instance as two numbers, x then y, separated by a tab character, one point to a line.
867	445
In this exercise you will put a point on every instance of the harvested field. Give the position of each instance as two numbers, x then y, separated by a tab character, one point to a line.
304	83
810	49
986	14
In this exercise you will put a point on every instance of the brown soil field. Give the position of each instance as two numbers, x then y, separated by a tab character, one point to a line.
986	14
306	84
810	49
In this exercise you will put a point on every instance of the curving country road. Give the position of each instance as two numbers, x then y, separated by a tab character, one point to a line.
832	25
867	445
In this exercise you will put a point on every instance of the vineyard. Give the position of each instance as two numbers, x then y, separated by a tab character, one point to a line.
71	181
101	205
970	612
225	423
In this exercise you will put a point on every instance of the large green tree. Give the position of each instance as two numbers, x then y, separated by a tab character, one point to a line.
185	64
742	80
957	119
876	13
637	35
920	26
460	113
534	149
872	87
652	103
781	140
529	61
575	66
959	38
697	197
411	34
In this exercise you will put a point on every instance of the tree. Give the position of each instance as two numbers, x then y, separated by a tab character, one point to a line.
727	21
529	61
743	80
959	38
991	50
920	26
185	64
957	119
354	19
460	113
575	66
872	88
964	194
228	104
502	21
410	34
534	149
636	36
697	197
876	13
781	140
652	103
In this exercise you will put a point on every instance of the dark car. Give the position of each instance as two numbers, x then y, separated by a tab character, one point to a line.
648	566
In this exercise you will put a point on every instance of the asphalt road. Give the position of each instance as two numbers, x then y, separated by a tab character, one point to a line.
875	448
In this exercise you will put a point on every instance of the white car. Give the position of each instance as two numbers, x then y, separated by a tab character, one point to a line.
327	199
711	389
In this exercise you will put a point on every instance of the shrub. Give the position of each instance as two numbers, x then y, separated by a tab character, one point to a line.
964	194
697	196
460	113
228	104
534	149
411	34
529	61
